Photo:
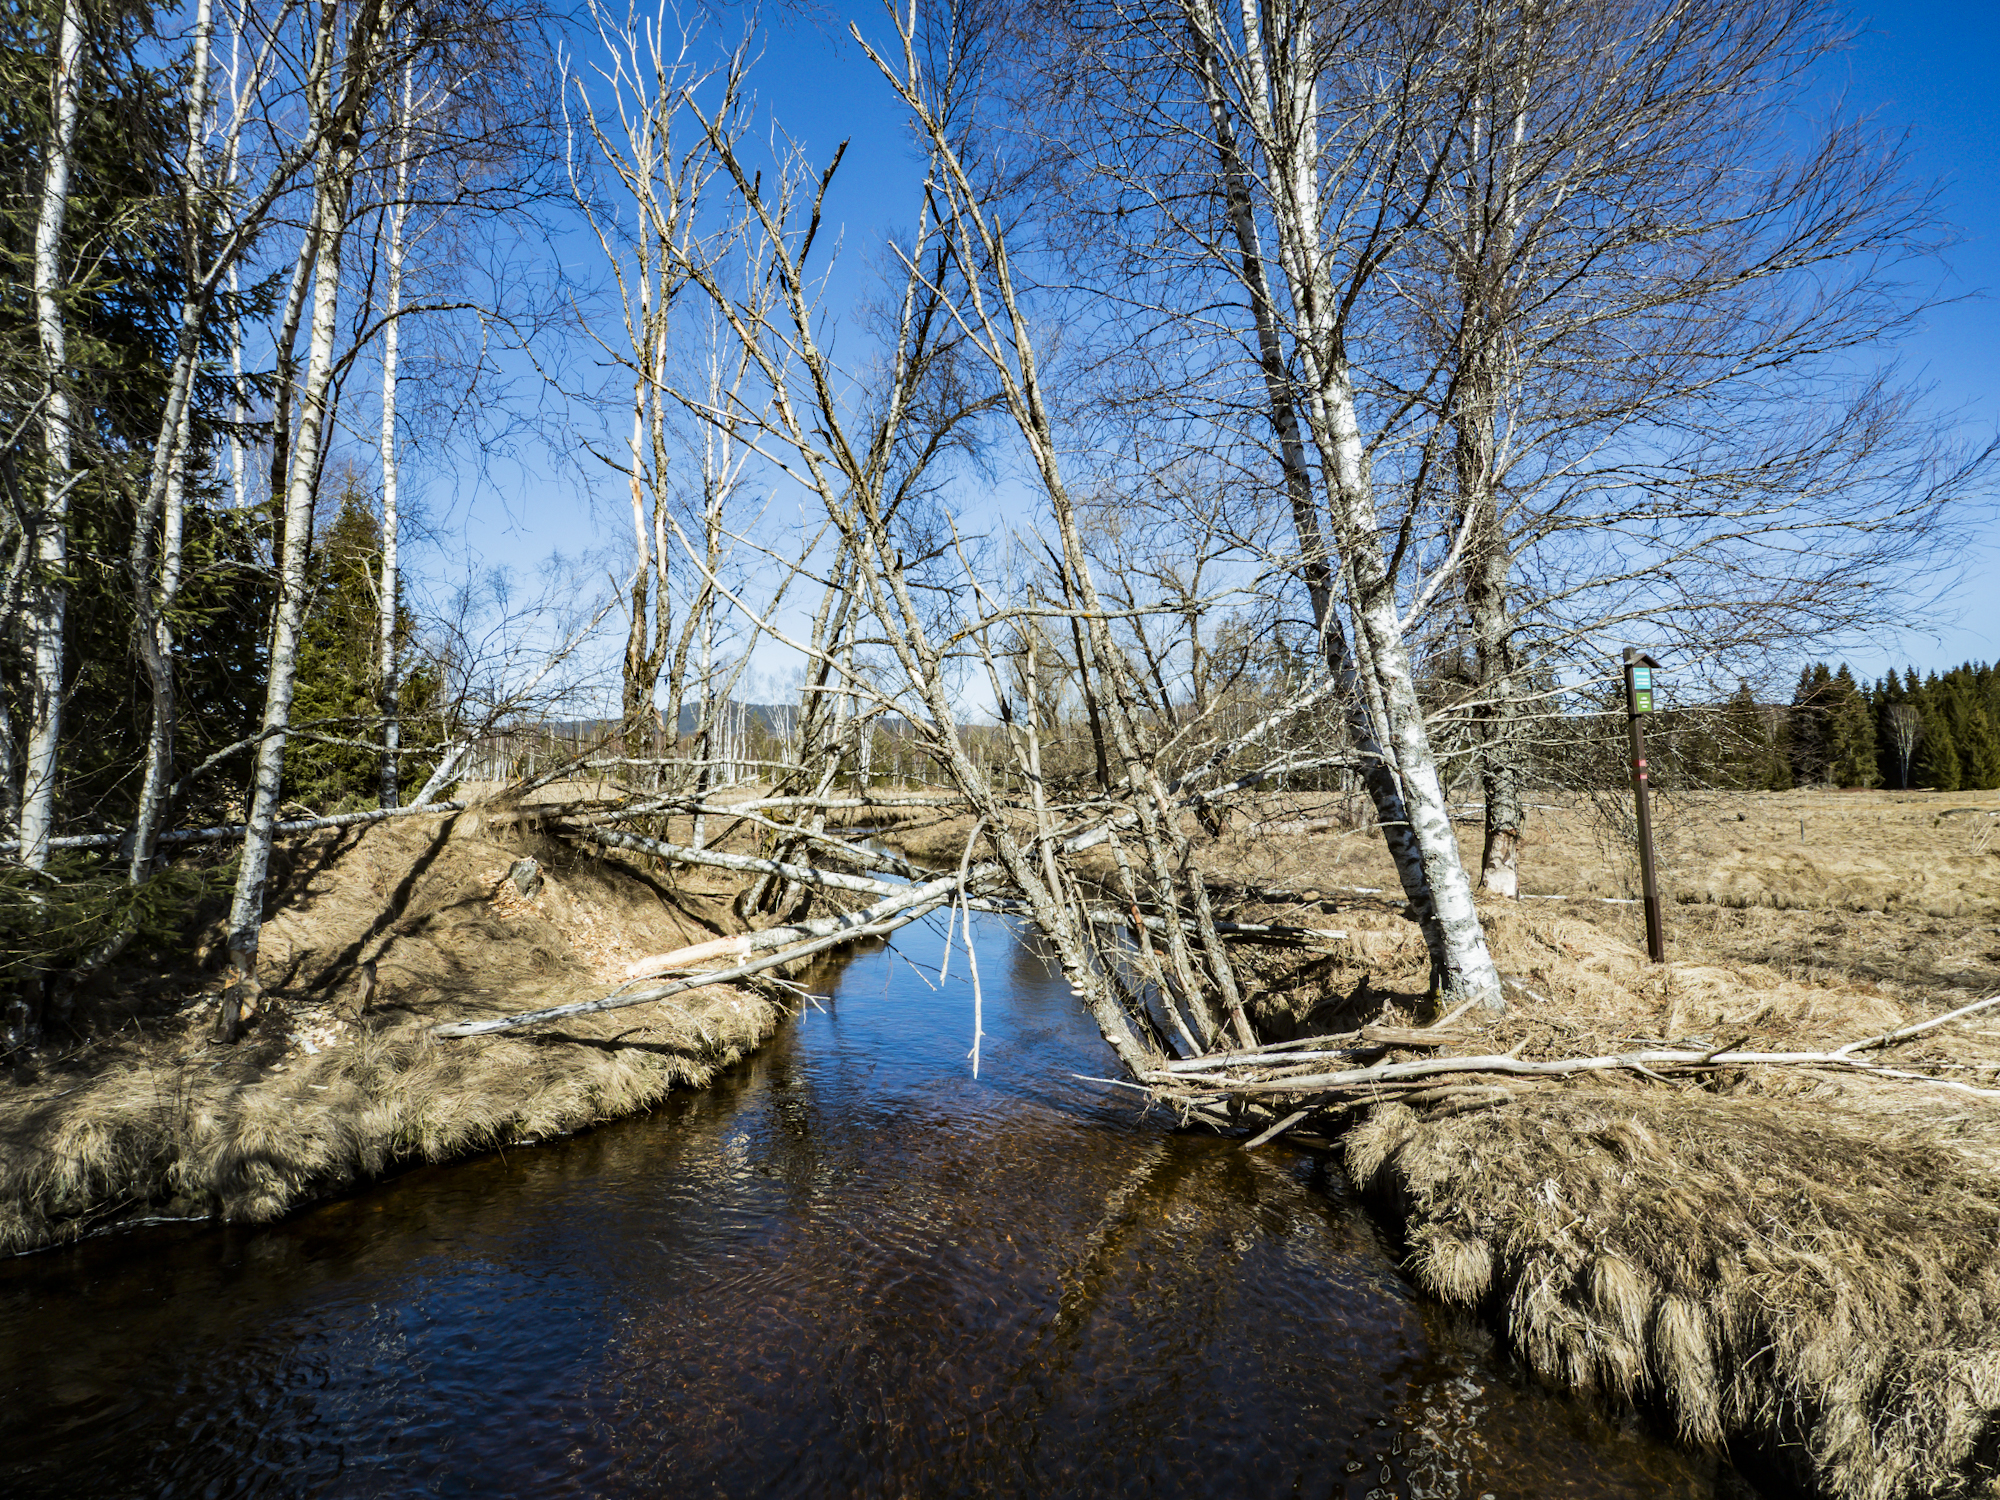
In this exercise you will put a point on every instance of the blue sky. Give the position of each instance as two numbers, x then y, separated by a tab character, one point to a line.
1924	68
1931	68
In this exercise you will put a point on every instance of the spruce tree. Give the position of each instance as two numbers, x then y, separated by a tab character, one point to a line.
1746	751
1936	764
1806	726
1972	734
339	669
1850	734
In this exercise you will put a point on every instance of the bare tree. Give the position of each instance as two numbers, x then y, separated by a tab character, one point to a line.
48	620
338	97
628	106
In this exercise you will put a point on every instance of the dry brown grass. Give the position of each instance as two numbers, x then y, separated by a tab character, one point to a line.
1790	1271
148	1117
1796	1261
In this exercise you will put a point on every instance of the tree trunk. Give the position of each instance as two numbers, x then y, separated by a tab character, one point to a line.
1485	252
166	490
390	703
157	648
48	618
1315	565
1284	105
333	182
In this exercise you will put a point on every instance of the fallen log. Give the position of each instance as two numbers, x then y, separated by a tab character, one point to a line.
225	831
745	863
1219	1072
905	906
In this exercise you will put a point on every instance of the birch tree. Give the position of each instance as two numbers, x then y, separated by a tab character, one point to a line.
218	229
627	109
1360	127
402	106
338	95
48	616
1649	301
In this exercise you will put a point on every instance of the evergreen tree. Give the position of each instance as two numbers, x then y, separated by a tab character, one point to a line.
1972	732
1806	726
1936	763
339	670
1755	762
1850	734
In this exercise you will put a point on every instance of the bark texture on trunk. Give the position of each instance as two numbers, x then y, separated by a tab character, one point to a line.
48	616
1378	773
1485	249
389	667
332	185
164	506
1280	93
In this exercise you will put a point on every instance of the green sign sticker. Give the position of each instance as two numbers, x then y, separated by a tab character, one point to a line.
1643	701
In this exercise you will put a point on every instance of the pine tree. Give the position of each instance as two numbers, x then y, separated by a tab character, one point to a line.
1972	733
1752	759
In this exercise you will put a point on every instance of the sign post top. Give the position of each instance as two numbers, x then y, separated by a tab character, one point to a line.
1639	669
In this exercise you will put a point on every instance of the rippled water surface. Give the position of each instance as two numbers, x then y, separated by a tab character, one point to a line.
848	1269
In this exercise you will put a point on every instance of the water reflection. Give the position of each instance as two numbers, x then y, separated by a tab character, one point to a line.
850	1269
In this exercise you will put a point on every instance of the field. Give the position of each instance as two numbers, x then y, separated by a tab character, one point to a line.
1795	1261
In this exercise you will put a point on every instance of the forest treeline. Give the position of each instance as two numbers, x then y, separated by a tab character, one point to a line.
1899	733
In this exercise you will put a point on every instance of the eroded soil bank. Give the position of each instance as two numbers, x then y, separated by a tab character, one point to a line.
375	936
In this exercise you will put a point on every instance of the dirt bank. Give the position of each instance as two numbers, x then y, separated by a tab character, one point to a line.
137	1113
1801	1264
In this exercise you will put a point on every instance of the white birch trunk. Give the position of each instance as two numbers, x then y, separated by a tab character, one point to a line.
1315	565
157	647
333	181
48	619
165	503
389	666
1285	112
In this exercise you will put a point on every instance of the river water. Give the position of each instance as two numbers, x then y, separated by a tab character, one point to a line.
847	1269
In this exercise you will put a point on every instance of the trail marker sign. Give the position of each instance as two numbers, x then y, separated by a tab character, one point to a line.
1639	669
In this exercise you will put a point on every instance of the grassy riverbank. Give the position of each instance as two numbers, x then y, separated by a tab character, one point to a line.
1798	1264
133	1111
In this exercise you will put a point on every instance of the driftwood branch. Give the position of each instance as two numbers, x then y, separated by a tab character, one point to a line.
1268	1071
778	945
226	831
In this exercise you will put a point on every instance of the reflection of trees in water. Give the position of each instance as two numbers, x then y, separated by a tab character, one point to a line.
994	1319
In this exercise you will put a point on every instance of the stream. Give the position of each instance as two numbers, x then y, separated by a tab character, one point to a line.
846	1269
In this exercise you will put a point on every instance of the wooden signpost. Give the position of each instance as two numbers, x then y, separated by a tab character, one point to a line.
1639	669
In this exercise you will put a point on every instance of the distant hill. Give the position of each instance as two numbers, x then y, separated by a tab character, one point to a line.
771	717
